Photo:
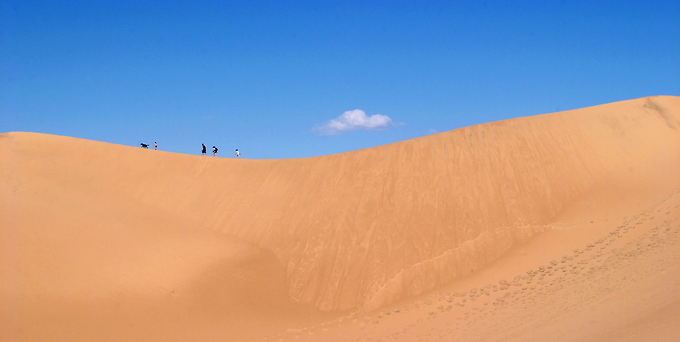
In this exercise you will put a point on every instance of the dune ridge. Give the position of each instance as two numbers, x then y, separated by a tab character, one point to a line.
364	228
95	236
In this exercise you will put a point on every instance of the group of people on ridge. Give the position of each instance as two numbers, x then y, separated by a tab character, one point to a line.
203	151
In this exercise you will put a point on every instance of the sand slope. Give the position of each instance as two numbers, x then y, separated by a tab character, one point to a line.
156	241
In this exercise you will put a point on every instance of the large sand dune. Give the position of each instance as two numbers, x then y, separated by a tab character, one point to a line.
108	242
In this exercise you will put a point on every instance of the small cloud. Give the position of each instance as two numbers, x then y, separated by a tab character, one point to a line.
352	120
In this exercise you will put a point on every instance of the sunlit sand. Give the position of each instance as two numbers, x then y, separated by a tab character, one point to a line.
556	227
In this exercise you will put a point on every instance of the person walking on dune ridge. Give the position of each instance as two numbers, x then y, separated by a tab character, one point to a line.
214	151
203	150
155	146
238	154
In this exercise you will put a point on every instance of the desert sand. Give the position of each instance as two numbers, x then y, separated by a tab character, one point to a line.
556	227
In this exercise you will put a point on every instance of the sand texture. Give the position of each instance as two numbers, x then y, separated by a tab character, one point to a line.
561	227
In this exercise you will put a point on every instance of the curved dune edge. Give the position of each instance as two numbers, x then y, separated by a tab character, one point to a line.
458	262
361	229
518	173
607	269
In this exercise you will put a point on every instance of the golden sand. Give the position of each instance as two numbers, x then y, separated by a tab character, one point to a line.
560	227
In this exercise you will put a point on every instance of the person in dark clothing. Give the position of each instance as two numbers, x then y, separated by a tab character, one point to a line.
203	150
214	151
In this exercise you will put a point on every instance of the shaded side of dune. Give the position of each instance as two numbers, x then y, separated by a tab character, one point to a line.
363	228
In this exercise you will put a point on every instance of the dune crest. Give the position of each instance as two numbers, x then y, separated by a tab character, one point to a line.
361	229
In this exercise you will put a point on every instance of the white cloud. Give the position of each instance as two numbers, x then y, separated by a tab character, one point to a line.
352	120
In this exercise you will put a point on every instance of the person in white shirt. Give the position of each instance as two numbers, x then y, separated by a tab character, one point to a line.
238	154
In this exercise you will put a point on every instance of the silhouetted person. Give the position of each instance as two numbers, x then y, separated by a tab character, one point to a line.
203	150
214	151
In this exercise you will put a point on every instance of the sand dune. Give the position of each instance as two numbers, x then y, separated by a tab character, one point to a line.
108	242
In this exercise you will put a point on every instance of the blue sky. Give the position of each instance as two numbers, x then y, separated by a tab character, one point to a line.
265	77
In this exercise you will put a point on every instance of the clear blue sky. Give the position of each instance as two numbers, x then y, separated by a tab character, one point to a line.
261	75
